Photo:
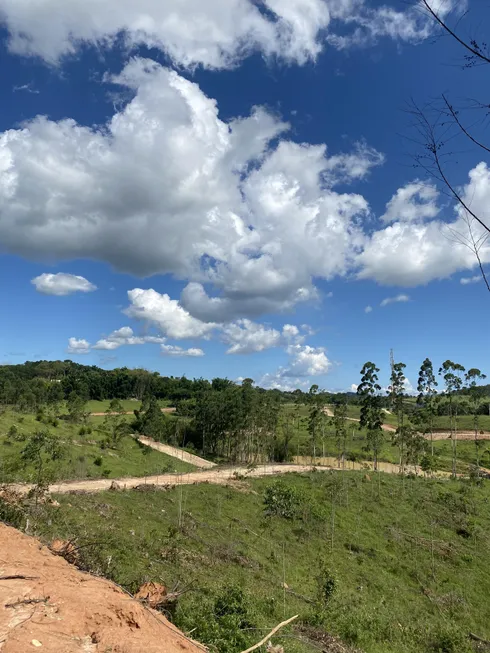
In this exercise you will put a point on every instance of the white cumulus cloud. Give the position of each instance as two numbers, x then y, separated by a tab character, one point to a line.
415	201
395	300
368	309
260	233
125	336
415	253
306	361
467	280
173	350
245	337
215	33
167	314
61	284
77	347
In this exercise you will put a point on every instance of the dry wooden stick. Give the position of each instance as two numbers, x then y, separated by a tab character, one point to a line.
474	637
18	577
269	635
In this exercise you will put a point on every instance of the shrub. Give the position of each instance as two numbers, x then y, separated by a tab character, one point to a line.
11	514
82	430
281	500
106	473
98	461
449	639
221	623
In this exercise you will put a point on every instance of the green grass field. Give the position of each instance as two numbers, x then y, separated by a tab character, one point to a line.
301	444
407	559
84	456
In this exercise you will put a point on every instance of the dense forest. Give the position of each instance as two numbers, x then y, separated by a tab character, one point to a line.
93	383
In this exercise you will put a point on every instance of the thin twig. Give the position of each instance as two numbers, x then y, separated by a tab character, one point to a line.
474	51
19	577
463	129
269	635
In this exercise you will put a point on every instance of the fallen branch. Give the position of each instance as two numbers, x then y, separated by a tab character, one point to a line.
269	635
300	596
19	577
27	602
479	639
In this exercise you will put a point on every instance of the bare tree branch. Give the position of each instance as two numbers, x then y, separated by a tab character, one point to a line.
465	132
473	48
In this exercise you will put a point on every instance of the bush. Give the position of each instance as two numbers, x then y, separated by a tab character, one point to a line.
106	473
449	639
98	461
11	514
82	430
221	623
281	500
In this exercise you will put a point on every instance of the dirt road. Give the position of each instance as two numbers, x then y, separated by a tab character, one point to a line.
218	476
443	435
176	453
385	427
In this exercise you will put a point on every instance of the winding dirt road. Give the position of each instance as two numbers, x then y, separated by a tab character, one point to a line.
222	476
441	435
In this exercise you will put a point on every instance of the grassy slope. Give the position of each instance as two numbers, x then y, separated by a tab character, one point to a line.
128	459
407	581
356	441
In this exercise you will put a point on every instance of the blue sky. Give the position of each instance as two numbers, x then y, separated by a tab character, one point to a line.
231	192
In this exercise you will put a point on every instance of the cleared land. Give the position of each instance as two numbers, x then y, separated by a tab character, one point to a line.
84	456
53	606
408	558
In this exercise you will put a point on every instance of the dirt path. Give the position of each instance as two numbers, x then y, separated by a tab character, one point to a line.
443	435
131	412
48	604
221	476
176	453
385	427
387	468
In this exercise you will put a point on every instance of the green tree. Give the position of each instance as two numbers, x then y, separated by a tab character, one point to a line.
115	426
154	422
41	449
315	417
453	382
340	426
76	408
371	418
473	378
54	397
426	405
396	394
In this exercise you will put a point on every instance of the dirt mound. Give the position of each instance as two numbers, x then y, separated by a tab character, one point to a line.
49	605
153	594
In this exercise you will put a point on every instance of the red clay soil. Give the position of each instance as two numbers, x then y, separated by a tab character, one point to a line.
55	608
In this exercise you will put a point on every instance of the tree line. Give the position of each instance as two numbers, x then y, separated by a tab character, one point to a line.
415	424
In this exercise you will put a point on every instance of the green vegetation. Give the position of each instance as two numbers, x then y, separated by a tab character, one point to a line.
398	566
84	452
